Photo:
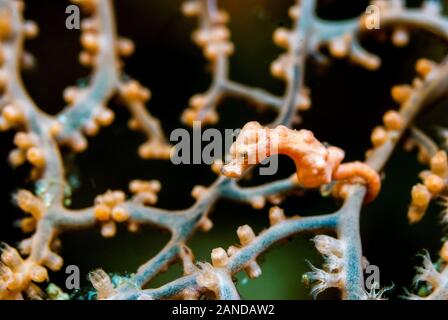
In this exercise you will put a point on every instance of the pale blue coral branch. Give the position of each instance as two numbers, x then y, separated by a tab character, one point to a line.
104	81
348	231
233	191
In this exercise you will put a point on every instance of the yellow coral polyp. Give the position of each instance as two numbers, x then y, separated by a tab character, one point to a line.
91	128
134	91
276	215
294	12
339	47
27	224
379	136
108	229
400	37
219	33
198	192
137	186
38	273
257	202
24	140
102	212
198	101
53	261
3	74
434	183
393	120
90	42
20	272
222	17
424	67
89	24
245	234
30	204
191	8
86	59
126	47
154	150
16	158
281	37
401	93
55	128
439	164
105	117
278	69
219	258
205	224
5	25
120	214
145	191
214	49
70	94
12	114
36	157
31	29
420	196
78	143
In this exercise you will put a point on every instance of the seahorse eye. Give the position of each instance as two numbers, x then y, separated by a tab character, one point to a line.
244	155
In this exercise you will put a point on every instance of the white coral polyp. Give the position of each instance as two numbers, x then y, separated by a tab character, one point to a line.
428	273
324	280
328	246
332	275
438	280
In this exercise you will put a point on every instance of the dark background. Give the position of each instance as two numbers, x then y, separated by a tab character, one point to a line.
347	103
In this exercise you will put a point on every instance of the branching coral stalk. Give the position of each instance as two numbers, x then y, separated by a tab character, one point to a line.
317	165
213	36
38	142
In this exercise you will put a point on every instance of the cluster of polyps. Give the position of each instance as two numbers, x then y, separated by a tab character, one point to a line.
281	68
332	275
435	179
12	114
32	205
17	275
93	45
110	207
392	126
96	45
212	276
434	183
436	278
213	37
26	150
220	256
346	45
109	210
400	36
145	192
136	95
